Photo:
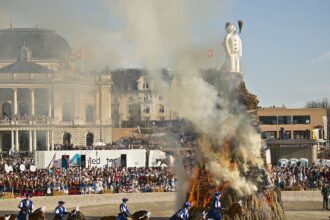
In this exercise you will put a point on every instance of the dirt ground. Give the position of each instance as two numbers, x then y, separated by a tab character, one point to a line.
307	209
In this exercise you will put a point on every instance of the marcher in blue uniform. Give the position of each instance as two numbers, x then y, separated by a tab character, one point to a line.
123	210
183	213
60	211
26	207
214	212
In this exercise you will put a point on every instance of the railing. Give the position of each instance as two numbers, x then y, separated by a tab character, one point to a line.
25	120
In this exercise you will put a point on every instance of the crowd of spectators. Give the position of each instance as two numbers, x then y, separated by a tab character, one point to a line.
76	180
5	117
23	117
300	177
145	141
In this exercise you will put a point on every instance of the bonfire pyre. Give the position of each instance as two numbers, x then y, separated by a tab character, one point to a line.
230	164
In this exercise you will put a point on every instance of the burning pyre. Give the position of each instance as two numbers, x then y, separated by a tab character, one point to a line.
229	164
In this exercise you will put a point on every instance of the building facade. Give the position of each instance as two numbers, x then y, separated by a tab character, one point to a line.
44	102
135	102
297	124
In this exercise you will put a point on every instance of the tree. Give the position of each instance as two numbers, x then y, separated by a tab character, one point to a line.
324	103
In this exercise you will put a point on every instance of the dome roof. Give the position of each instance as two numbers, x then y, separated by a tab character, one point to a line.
44	44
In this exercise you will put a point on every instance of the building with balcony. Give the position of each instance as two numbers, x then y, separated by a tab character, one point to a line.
135	102
43	101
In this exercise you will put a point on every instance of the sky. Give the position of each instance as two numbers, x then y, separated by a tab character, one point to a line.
286	43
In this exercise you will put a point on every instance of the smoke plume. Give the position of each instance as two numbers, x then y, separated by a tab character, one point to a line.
162	32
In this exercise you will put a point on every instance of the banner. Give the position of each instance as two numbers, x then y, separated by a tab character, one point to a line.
325	125
93	158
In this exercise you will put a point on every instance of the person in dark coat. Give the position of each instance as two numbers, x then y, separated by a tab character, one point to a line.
124	212
325	194
60	211
26	207
216	207
183	213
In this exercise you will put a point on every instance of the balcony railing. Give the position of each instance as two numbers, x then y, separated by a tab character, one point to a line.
25	120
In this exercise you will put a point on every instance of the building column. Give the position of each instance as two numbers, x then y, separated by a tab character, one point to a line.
16	142
49	104
15	100
32	101
34	140
47	140
13	139
30	141
52	137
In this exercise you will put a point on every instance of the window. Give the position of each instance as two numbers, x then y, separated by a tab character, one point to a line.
146	97
161	109
303	119
301	134
130	109
269	135
89	113
115	100
89	139
268	120
130	98
284	120
145	85
288	134
146	110
67	111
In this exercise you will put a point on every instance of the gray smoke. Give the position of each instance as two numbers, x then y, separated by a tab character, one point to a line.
162	32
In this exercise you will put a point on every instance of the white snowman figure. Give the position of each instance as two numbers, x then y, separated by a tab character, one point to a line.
233	49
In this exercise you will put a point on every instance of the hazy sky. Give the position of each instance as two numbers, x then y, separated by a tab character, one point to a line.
286	52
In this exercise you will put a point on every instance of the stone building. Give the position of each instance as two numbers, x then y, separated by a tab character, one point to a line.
134	101
43	100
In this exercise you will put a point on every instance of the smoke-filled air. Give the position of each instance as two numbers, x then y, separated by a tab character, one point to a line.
162	33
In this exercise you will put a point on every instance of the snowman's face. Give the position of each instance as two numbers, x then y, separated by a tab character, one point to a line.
230	28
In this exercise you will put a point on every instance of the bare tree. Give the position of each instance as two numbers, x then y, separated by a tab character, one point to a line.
324	103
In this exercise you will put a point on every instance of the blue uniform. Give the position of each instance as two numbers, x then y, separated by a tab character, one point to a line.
182	214
26	207
215	208
60	212
123	212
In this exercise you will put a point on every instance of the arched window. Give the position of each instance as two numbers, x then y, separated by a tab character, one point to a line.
5	140
67	111
66	138
23	137
6	109
23	108
89	113
89	139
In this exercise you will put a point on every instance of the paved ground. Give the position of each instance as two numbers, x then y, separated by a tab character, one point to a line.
302	205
